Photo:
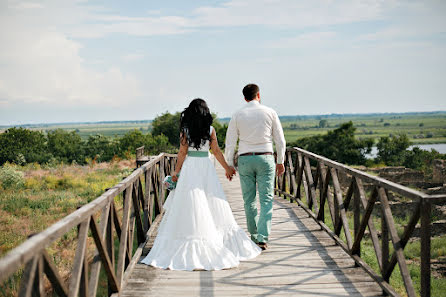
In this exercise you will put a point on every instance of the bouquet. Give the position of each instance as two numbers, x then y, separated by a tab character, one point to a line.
169	183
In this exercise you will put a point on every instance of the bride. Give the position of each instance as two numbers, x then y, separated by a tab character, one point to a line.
198	230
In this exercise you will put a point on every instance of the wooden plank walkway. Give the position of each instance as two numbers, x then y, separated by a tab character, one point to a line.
302	260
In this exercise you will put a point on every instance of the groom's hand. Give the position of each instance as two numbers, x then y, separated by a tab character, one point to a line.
280	169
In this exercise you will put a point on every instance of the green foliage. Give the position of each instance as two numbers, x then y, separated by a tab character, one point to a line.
19	144
339	144
323	123
101	148
66	146
169	125
135	138
421	159
10	177
391	149
157	144
220	130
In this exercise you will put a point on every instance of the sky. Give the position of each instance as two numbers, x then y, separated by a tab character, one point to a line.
74	61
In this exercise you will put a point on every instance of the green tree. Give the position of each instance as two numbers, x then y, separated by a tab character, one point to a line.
169	125
423	160
323	123
339	144
130	141
152	144
392	150
66	146
101	147
220	130
27	145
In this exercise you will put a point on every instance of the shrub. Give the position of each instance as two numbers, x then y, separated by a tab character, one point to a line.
10	177
101	147
339	144
19	144
65	146
391	150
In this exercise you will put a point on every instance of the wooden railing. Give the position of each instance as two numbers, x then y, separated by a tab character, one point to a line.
143	195
322	190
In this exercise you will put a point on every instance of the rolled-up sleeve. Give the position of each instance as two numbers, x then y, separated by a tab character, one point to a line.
279	139
231	140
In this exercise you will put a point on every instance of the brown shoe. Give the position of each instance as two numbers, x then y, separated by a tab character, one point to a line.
263	245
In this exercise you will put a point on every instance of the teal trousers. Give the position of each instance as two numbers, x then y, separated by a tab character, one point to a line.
257	172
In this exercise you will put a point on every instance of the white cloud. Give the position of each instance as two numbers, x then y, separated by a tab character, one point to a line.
41	64
27	5
284	13
305	13
305	40
133	57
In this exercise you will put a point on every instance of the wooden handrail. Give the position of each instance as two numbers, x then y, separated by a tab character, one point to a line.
323	181
142	206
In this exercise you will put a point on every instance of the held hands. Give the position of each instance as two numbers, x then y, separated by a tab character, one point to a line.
230	172
280	169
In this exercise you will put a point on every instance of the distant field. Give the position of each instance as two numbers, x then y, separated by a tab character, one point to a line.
422	128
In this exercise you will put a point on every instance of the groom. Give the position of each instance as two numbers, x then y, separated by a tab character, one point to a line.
256	126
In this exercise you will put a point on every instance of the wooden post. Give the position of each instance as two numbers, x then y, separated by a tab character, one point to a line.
356	212
384	244
110	247
425	248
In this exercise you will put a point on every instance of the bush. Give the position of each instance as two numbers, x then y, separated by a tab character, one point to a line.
421	159
66	146
391	150
339	144
10	177
101	147
135	138
23	145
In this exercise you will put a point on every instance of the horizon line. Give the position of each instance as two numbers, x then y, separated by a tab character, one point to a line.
221	118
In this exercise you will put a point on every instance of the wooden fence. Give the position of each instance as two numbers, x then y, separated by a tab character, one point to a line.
322	190
143	195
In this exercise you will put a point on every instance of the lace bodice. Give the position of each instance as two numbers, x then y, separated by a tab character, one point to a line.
203	148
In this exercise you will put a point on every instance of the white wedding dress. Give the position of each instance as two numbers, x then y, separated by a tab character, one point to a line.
198	230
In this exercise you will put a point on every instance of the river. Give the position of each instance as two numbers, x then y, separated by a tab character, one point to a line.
439	147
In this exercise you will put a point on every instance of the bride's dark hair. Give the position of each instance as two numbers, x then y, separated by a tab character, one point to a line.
195	122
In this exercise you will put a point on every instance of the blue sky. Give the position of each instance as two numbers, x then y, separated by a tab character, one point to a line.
64	61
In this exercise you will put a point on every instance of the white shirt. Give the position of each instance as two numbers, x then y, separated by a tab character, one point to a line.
256	126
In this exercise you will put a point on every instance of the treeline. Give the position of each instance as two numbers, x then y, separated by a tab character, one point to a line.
21	146
341	145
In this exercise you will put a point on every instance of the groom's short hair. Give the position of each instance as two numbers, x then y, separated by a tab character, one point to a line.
250	91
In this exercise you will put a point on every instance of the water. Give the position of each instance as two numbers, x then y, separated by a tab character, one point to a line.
439	147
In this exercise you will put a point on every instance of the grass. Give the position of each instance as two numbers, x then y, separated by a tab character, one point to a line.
48	195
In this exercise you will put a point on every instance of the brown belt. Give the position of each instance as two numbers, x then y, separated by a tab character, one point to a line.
255	154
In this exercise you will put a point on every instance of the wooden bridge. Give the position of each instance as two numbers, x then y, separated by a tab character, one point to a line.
315	245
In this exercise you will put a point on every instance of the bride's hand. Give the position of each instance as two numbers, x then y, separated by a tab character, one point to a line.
174	177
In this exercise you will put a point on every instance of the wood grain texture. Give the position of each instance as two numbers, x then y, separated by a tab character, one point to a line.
302	260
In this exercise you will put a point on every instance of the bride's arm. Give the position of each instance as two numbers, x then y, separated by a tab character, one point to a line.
181	156
219	155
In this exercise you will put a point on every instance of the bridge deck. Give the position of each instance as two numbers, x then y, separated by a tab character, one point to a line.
302	260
